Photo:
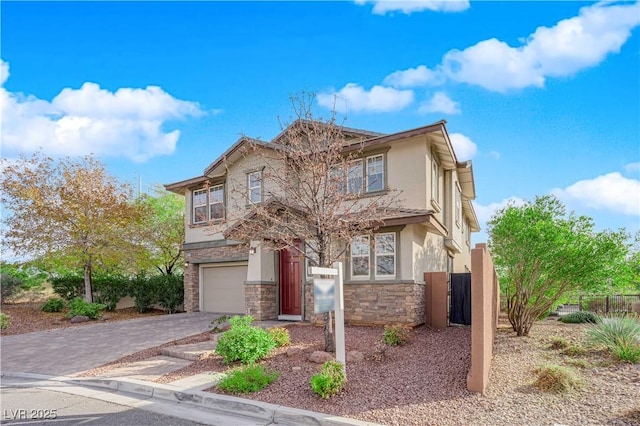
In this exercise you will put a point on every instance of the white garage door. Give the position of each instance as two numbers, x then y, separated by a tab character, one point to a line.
223	288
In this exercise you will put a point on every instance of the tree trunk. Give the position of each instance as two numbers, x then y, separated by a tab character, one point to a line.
329	341
88	288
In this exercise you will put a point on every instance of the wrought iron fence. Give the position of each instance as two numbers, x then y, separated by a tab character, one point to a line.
599	304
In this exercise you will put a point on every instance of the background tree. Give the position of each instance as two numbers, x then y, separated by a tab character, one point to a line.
71	210
542	253
162	231
309	194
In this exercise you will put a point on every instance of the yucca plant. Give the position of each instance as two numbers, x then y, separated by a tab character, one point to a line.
620	335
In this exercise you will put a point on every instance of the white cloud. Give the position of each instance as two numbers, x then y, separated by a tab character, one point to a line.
485	213
413	77
440	102
354	98
464	147
612	192
125	123
4	72
494	154
381	7
571	45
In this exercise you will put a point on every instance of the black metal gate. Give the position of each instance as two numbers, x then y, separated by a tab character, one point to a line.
460	298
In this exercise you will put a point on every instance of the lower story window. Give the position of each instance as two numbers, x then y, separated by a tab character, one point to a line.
375	258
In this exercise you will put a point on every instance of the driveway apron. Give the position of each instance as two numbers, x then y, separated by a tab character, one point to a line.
72	350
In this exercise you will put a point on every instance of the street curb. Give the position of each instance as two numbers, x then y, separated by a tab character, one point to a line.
223	404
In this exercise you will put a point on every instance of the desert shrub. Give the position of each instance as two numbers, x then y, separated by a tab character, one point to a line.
248	379
54	304
169	290
620	335
10	285
4	321
574	350
396	335
558	342
144	292
280	336
330	380
68	286
556	379
110	289
243	342
80	306
580	318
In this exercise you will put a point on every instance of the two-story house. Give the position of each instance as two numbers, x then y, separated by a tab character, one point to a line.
384	283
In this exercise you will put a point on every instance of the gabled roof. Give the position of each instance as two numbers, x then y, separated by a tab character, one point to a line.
232	154
349	132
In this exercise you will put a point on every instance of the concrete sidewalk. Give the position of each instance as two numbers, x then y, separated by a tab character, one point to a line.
213	409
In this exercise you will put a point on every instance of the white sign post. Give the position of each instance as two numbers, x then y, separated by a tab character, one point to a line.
338	295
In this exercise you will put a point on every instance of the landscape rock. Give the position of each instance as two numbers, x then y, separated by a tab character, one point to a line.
320	357
355	356
80	318
294	351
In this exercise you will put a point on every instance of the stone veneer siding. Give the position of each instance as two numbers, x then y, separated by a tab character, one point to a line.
376	303
203	253
260	301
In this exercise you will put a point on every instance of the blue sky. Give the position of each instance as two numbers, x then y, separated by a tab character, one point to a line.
543	97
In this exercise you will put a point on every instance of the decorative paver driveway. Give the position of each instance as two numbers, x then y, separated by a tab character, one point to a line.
68	351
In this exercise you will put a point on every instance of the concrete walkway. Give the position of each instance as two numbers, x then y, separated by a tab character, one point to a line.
69	351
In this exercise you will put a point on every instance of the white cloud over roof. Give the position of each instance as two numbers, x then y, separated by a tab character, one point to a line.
355	98
126	123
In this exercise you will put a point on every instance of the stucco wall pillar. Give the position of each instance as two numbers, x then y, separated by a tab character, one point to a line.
436	300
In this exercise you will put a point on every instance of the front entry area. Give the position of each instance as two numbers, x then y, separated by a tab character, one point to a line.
290	288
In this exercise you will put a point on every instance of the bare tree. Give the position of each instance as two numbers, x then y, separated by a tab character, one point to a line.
312	190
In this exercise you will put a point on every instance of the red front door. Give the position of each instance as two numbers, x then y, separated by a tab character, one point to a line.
291	281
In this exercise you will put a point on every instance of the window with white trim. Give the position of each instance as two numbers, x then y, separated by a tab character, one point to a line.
208	205
216	202
354	177
385	249
375	173
360	252
200	206
254	187
435	179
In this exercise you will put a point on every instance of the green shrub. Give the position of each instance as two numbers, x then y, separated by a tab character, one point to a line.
30	275
243	342
110	289
169	290
580	318
80	306
396	335
248	379
68	286
330	380
556	379
280	336
144	292
5	320
54	304
620	335
574	350
10	285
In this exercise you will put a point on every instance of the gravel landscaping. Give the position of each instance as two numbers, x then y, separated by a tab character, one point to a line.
424	382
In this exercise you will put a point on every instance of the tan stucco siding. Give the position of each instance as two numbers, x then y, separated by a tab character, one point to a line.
406	169
427	252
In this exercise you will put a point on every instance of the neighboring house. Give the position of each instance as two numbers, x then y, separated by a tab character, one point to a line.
384	275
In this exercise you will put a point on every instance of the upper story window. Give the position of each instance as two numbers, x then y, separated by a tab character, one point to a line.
375	173
458	206
362	175
208	205
354	177
254	187
435	179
